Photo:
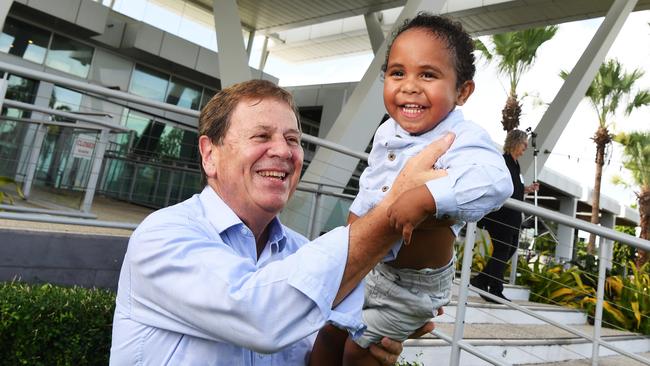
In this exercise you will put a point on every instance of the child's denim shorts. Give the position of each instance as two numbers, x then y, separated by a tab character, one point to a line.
399	301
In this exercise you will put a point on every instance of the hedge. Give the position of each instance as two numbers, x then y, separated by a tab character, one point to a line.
53	325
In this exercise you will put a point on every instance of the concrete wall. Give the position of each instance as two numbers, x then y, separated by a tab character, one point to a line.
61	258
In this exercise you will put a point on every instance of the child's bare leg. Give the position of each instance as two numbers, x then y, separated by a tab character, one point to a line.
328	347
356	355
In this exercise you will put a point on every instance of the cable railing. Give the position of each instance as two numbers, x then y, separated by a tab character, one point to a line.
165	191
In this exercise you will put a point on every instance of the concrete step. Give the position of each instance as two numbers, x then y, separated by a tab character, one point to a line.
513	292
520	344
479	311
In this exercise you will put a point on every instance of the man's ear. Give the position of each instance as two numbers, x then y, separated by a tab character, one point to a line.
206	149
464	92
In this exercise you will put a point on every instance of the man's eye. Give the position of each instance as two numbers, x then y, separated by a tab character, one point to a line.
261	137
293	141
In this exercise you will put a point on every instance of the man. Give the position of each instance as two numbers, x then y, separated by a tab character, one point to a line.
217	280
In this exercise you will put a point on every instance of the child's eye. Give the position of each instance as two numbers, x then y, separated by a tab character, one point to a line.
396	73
428	75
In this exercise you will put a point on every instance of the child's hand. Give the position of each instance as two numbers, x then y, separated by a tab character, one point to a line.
410	209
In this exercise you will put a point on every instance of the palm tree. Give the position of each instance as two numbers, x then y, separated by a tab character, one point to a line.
604	94
636	154
515	52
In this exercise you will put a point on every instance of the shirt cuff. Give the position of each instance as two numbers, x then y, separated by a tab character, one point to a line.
443	193
319	276
347	314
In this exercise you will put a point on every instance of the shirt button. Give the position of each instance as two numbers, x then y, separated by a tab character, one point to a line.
391	156
384	188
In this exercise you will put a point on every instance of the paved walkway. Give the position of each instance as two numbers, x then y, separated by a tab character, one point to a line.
106	209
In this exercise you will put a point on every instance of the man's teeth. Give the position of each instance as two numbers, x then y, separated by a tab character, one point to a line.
273	174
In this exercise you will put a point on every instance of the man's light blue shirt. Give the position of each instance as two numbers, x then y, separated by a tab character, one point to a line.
477	181
192	290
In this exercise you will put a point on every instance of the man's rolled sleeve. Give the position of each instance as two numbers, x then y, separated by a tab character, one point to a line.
319	276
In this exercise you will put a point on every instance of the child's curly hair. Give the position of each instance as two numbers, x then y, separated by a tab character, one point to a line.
459	43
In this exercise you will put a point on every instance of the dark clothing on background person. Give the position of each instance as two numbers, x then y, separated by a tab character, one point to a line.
503	226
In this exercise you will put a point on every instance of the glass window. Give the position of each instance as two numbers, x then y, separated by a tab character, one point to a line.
69	56
207	95
149	83
24	40
65	99
183	94
20	89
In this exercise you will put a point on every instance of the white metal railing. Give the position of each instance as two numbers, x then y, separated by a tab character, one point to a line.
456	341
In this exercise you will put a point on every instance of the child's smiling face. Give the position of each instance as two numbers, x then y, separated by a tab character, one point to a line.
420	81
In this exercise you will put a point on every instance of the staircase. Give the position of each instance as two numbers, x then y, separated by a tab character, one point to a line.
519	339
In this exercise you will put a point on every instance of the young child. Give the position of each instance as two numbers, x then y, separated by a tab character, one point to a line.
428	72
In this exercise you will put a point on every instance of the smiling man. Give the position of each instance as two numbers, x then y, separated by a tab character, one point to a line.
218	280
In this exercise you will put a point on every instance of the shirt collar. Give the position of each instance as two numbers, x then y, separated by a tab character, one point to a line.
222	217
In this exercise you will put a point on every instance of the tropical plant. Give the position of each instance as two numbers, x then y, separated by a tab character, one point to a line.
551	283
515	53
636	155
626	302
610	85
7	196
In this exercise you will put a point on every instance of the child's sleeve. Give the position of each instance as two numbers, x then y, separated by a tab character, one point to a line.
477	181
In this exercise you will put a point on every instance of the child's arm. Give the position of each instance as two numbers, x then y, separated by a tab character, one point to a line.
410	209
328	347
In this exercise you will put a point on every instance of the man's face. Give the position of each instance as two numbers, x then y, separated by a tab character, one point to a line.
257	168
420	81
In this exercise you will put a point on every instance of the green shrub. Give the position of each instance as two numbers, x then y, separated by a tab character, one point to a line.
53	325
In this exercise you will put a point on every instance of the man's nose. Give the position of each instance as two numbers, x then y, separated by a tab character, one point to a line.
280	148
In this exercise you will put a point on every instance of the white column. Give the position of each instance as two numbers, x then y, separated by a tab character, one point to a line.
233	60
566	101
354	128
5	5
607	219
100	149
566	234
375	33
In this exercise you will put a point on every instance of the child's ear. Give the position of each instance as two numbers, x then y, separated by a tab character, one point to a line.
464	92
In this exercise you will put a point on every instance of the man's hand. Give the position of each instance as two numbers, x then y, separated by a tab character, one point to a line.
419	169
410	209
387	352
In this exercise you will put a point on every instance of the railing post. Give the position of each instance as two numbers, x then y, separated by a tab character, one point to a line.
4	82
513	265
459	326
313	214
34	153
600	294
100	148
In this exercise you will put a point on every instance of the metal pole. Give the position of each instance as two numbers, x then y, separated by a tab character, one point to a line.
600	293
459	327
313	214
513	267
39	136
3	88
100	148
